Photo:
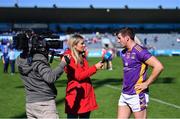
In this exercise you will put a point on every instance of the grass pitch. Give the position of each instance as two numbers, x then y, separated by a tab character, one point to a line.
164	93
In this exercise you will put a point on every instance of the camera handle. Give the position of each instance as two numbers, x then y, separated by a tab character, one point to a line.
52	56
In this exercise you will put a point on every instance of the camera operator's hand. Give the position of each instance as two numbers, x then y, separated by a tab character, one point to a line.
99	65
66	59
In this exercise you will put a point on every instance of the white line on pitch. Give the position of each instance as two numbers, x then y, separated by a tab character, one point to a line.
154	99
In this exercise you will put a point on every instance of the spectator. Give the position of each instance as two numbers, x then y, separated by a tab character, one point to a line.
5	59
145	41
108	62
12	60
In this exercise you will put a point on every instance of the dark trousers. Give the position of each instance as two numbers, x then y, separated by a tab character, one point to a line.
6	64
12	63
79	116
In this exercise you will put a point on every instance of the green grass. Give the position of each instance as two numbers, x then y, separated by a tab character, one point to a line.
165	88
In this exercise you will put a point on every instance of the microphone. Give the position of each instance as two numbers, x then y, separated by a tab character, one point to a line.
107	56
67	59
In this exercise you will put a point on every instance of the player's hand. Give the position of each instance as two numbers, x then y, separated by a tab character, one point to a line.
141	86
99	65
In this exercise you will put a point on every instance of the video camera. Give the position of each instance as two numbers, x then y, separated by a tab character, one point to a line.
37	44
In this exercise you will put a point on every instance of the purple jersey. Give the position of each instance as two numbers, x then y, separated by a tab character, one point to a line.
134	68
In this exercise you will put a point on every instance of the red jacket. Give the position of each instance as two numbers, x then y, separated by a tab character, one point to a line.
80	96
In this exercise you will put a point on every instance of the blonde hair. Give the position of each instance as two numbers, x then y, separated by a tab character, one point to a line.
72	42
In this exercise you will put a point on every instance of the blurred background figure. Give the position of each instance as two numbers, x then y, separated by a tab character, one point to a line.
12	59
108	62
5	59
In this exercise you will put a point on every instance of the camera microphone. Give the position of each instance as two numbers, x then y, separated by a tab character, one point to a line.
107	56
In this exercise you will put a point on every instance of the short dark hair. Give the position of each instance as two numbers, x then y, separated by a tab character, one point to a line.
127	32
106	45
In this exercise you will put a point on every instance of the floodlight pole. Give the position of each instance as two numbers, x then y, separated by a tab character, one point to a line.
17	1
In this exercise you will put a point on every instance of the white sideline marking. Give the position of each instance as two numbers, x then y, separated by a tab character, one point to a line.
166	103
154	99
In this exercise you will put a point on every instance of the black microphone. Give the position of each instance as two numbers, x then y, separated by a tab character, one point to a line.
67	59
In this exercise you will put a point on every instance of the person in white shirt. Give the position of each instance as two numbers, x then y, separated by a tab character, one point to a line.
12	59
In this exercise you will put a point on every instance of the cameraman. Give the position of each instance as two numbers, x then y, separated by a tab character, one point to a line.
38	78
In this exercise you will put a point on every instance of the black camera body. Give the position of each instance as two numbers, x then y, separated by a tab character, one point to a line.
37	44
42	43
